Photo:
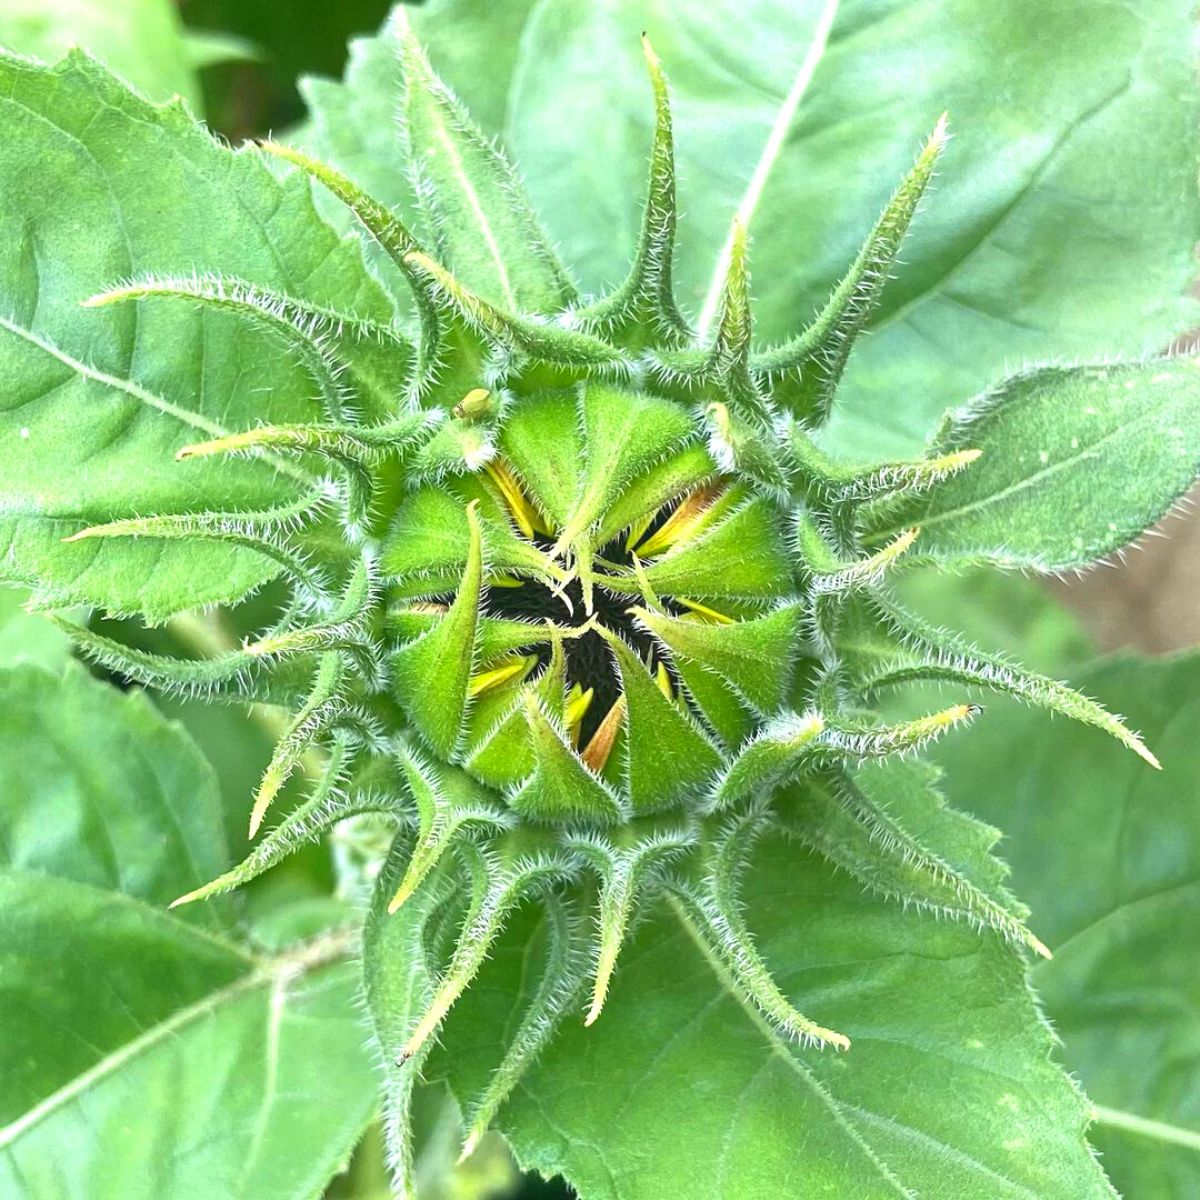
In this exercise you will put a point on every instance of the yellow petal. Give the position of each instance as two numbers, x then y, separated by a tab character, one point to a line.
528	519
663	679
578	702
501	673
686	521
702	610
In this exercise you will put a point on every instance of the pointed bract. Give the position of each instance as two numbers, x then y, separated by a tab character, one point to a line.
481	222
802	375
668	758
561	789
642	310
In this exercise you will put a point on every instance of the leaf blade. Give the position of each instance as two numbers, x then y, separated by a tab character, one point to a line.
97	402
1076	463
685	1084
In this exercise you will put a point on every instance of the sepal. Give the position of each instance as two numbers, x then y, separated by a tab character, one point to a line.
858	740
326	707
828	575
500	879
711	910
437	378
475	207
506	336
447	803
561	790
642	311
626	872
833	816
263	532
348	630
769	759
327	343
825	481
460	446
721	371
236	676
750	447
923	653
564	973
802	375
743	557
431	676
666	756
331	802
756	656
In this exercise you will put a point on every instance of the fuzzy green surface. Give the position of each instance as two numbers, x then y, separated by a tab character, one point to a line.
496	500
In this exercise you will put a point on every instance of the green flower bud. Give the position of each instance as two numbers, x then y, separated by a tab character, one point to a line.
594	615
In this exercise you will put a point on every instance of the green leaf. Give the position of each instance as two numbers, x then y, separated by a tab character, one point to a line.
143	1015
1120	907
145	1057
1062	222
28	637
100	789
1077	461
210	48
97	403
143	41
684	1082
105	936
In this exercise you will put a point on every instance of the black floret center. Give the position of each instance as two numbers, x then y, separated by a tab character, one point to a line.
589	660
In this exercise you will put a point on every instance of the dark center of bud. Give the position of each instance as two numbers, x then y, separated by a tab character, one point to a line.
589	660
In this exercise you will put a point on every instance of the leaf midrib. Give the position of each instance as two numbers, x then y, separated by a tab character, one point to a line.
291	963
771	151
145	397
1159	1131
